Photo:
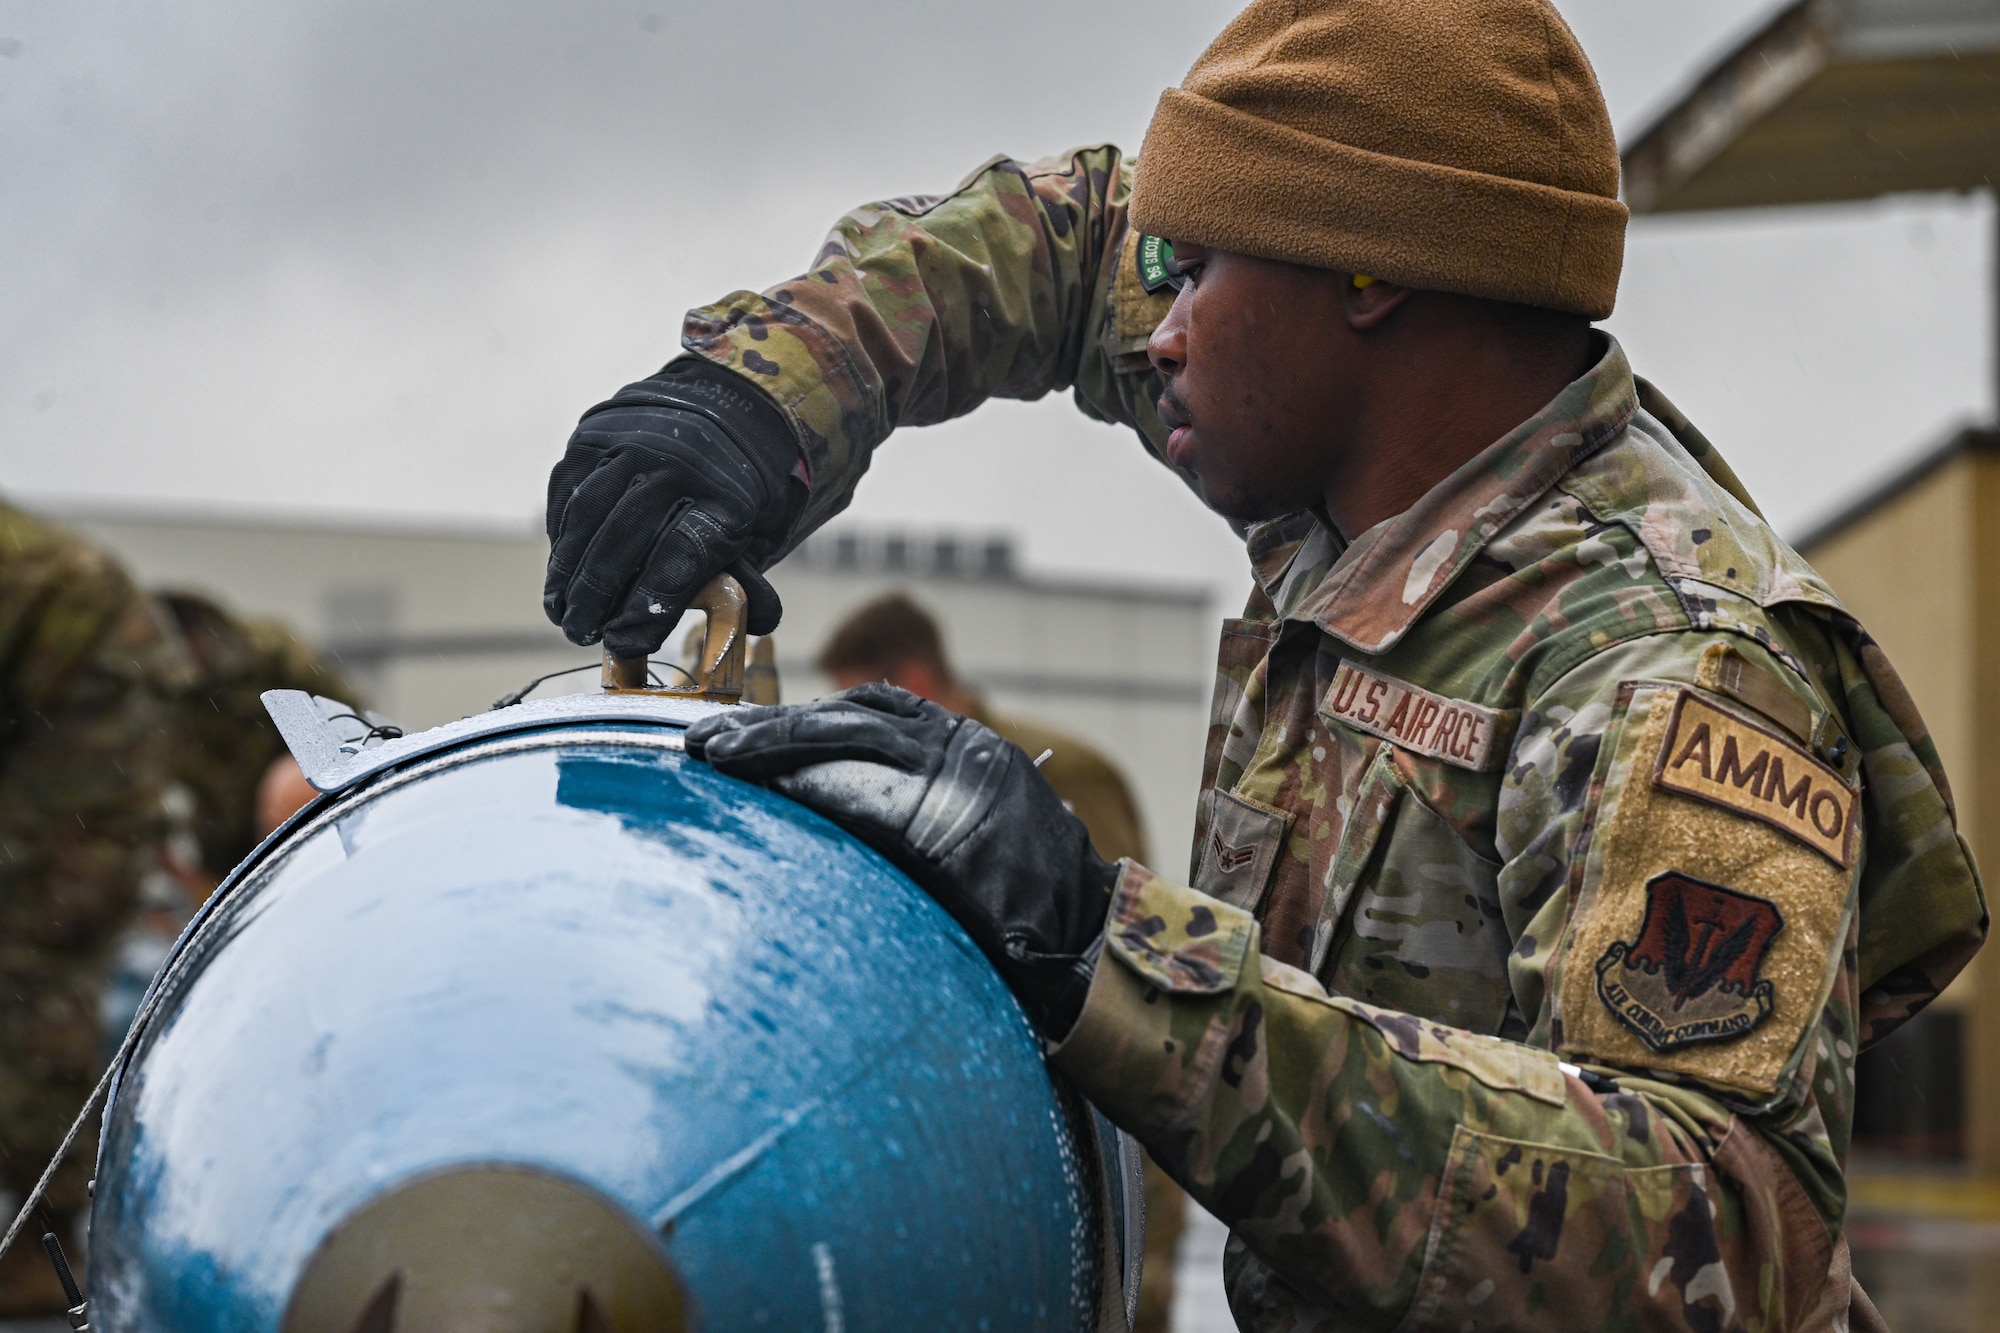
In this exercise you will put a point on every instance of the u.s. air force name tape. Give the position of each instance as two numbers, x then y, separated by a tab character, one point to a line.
1466	735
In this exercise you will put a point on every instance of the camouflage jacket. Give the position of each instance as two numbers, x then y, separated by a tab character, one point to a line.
224	739
1089	784
1562	839
86	675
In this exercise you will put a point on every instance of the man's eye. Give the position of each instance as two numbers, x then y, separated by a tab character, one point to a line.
1181	272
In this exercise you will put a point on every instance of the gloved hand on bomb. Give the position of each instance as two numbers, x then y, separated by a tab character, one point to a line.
961	811
674	480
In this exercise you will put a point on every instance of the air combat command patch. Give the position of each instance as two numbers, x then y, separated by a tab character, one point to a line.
1692	975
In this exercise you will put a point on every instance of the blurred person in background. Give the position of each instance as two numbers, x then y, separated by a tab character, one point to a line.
894	639
231	779
137	767
89	676
230	756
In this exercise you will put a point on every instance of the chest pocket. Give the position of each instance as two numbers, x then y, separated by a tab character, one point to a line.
1412	919
1241	850
1232	729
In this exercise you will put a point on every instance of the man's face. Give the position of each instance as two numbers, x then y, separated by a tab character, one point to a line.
1255	353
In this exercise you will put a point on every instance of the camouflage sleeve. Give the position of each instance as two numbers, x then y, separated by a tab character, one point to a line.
1923	910
1380	1167
1020	282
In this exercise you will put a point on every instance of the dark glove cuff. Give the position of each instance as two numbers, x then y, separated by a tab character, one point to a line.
751	416
747	418
1052	988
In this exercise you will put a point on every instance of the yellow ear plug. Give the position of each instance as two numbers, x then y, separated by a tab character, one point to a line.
1362	281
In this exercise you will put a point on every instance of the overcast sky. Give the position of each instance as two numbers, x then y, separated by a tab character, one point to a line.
373	257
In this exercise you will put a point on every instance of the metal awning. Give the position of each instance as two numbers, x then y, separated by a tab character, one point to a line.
1833	100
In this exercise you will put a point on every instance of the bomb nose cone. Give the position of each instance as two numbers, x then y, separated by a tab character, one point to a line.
488	1248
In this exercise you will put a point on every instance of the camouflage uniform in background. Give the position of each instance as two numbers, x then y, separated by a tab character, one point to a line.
226	739
224	742
86	670
1090	785
1562	839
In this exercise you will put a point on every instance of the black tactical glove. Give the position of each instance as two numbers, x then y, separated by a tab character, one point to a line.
961	811
673	481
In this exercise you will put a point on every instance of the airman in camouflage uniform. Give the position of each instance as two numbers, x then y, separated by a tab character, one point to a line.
224	791
1385	1061
226	741
86	672
1562	839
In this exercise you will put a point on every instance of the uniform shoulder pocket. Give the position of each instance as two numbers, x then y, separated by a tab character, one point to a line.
1240	850
1714	897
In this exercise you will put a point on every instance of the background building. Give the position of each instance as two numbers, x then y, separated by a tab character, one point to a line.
1838	100
1918	560
435	625
1841	100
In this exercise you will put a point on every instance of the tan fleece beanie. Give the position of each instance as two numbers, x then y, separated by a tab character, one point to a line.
1456	145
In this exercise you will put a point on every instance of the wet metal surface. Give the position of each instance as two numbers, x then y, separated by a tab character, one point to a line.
589	954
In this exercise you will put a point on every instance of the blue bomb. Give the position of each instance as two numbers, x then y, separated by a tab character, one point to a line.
533	1025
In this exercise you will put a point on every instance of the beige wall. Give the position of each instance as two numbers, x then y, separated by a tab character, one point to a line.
1906	572
1922	572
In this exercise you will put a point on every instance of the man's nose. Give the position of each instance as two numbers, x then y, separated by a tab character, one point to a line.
1167	348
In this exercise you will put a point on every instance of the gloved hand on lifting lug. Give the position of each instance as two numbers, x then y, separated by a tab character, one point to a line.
674	480
961	811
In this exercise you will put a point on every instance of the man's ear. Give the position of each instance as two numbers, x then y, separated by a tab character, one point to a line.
1370	301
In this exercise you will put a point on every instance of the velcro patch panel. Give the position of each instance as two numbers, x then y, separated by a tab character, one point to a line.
1718	757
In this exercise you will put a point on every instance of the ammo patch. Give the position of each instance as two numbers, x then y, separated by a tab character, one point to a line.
1718	757
1243	843
1156	264
1692	975
1466	735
